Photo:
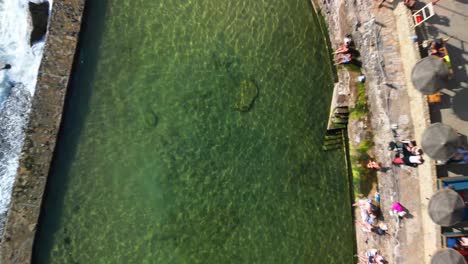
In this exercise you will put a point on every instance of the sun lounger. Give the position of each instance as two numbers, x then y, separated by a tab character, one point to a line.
447	236
457	183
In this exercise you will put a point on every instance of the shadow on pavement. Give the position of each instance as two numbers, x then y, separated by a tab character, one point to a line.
460	105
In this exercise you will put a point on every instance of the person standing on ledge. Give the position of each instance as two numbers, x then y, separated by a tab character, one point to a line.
5	67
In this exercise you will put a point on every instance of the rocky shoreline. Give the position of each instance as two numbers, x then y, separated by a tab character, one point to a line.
41	133
382	36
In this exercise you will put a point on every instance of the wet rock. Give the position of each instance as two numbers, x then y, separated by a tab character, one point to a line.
67	241
248	95
39	15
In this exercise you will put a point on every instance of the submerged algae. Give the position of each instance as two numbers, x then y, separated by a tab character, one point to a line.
248	95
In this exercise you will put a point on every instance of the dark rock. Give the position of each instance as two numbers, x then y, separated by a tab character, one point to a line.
40	17
248	95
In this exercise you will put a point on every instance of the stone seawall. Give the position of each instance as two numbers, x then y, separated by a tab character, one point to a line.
44	123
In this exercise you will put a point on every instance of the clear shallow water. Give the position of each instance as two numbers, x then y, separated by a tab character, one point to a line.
155	165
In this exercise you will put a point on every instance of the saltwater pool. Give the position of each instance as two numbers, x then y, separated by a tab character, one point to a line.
156	164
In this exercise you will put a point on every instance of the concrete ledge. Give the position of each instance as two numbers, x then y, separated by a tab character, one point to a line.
45	117
421	120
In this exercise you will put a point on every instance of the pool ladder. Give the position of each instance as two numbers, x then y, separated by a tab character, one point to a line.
335	136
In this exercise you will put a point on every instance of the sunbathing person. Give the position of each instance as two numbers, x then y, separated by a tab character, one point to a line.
411	160
365	226
364	204
371	256
460	156
463	241
437	48
373	165
343	59
342	49
457	243
410	148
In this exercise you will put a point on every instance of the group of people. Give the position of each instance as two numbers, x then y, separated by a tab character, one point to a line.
407	153
370	224
344	53
371	256
437	49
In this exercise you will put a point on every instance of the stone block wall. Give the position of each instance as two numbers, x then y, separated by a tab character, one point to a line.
41	135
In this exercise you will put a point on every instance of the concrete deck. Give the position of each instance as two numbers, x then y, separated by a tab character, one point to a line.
419	111
451	20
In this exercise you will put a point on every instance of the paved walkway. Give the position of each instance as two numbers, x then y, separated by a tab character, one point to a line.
375	32
451	20
383	36
419	110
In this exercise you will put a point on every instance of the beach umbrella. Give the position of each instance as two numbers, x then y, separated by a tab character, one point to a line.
430	75
446	207
439	141
448	256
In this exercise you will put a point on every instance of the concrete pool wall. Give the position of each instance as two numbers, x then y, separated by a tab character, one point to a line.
44	123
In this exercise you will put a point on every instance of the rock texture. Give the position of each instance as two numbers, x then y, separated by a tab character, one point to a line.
47	105
385	46
39	16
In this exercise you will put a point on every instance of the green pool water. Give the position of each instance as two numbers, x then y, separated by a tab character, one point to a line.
156	164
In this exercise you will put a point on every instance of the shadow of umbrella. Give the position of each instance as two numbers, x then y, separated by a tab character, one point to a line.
448	256
430	75
460	105
439	141
446	208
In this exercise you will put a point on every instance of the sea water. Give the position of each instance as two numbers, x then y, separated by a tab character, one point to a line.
157	163
17	85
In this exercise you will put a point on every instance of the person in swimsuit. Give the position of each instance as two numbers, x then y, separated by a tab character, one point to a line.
373	165
343	59
371	256
342	49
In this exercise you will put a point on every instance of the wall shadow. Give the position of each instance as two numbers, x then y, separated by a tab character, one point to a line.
75	111
458	65
439	20
460	104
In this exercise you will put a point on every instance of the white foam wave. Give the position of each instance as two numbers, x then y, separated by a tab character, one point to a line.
17	85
